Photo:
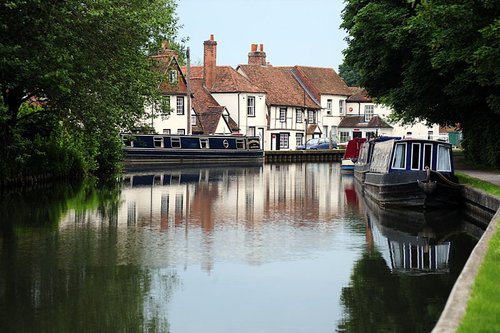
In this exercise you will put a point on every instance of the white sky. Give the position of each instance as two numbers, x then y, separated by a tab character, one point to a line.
294	32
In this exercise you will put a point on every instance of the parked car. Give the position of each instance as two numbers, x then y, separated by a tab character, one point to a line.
318	143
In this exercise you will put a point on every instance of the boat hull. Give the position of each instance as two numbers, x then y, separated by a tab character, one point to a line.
402	190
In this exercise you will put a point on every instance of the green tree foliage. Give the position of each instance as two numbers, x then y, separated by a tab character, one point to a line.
435	60
85	65
350	76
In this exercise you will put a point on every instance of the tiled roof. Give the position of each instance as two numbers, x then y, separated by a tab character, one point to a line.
359	95
280	85
210	118
209	112
322	81
227	80
358	121
311	129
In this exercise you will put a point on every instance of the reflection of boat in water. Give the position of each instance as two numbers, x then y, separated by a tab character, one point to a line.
412	242
175	175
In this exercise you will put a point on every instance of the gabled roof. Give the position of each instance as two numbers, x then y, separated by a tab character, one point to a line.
280	85
227	80
358	122
209	113
322	81
166	60
359	95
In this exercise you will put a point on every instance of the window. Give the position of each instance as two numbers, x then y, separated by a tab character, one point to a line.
204	143
181	131
284	140
176	142
251	106
193	120
165	107
430	134
311	117
328	106
298	139
415	156
180	105
443	158
166	131
368	112
344	136
283	115
158	142
251	131
399	160
341	106
298	115
427	155
172	77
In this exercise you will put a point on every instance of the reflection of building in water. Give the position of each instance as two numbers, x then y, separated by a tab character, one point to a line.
198	215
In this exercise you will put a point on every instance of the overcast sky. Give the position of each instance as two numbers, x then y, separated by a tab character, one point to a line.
294	32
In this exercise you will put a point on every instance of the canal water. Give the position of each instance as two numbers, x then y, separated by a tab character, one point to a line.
273	248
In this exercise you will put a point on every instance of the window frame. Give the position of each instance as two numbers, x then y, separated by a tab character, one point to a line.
329	106
251	108
395	155
369	112
299	119
282	114
413	145
284	140
179	106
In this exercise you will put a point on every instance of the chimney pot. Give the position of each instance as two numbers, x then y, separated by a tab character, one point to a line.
261	47
211	37
254	47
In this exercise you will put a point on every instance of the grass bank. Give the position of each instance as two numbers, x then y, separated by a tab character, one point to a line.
483	306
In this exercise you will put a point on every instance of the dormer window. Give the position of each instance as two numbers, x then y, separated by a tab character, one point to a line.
172	76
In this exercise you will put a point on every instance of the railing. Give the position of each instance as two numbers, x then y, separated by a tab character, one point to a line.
326	155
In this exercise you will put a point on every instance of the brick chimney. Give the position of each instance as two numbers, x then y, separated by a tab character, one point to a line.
257	57
209	61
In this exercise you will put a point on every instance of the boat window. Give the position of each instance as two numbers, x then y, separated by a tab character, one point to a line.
158	142
443	158
176	142
204	143
427	155
399	161
415	156
240	143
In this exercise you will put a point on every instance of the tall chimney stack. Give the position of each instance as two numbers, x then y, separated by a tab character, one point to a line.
257	56
209	61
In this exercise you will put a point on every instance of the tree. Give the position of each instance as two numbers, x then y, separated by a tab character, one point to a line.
349	75
86	64
435	60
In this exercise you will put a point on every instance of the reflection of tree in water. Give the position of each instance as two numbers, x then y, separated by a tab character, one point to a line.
74	280
378	301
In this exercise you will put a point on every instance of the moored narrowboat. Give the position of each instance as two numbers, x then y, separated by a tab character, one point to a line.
158	149
410	173
351	154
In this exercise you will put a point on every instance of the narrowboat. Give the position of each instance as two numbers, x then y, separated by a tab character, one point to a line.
409	173
142	150
362	164
351	154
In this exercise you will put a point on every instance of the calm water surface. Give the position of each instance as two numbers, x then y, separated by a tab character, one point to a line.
276	248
